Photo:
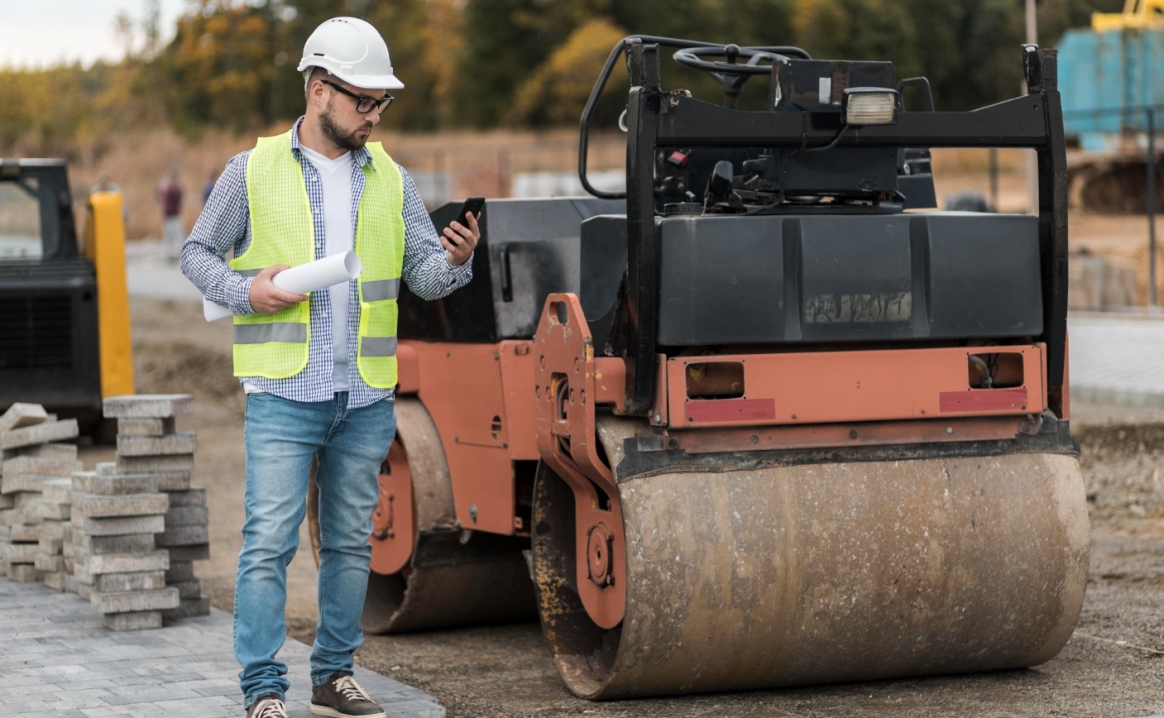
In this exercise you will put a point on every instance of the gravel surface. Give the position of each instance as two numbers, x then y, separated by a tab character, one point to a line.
1111	667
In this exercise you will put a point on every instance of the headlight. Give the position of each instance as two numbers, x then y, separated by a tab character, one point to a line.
869	106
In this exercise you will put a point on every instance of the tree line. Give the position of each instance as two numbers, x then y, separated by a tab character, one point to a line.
489	63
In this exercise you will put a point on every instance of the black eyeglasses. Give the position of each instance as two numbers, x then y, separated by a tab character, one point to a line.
364	104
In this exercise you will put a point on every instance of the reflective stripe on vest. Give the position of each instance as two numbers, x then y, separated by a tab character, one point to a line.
275	332
282	232
379	284
378	346
382	289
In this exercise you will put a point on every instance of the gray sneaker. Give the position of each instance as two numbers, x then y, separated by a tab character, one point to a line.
342	697
268	705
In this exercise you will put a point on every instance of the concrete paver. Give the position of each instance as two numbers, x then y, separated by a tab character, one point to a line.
1117	360
56	658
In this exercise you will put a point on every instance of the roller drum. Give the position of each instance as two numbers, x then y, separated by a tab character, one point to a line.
447	583
475	593
809	574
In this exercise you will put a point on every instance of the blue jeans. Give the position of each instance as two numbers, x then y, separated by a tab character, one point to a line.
282	437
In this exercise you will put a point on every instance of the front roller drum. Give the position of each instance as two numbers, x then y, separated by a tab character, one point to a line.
812	574
422	576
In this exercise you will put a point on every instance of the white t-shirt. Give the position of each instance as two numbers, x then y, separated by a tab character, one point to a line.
336	177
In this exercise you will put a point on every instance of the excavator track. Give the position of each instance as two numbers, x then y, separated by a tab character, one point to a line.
440	576
819	573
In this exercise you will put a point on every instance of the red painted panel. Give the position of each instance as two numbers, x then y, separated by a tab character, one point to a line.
860	386
983	400
460	385
730	410
517	379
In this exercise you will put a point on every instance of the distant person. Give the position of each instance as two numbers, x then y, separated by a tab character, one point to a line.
209	187
319	371
106	184
173	233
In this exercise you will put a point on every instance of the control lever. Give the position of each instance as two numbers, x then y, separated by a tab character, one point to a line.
719	187
757	166
506	276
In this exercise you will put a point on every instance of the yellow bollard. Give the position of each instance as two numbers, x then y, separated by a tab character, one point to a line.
105	247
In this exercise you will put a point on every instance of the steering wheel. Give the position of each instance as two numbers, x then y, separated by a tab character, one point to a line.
730	74
693	57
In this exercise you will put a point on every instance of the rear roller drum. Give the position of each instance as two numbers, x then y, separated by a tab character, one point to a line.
423	575
819	573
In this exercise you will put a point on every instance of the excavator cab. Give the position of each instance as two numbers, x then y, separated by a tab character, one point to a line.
64	314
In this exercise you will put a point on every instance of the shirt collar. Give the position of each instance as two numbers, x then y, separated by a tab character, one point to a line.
360	157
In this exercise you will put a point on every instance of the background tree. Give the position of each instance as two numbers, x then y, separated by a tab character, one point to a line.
557	91
218	67
485	63
505	41
859	30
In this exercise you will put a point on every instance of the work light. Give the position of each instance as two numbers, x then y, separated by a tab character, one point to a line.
869	106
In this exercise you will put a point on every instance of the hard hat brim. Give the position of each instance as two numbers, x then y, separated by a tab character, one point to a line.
365	82
373	82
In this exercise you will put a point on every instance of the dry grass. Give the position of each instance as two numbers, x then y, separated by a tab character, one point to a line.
480	163
484	163
967	161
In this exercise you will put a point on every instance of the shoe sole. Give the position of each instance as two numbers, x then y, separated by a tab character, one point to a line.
333	713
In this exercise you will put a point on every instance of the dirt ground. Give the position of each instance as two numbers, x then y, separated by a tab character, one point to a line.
1112	666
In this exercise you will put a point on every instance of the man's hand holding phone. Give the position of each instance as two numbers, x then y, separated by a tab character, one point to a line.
460	240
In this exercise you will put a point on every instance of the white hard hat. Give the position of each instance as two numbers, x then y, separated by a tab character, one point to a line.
353	51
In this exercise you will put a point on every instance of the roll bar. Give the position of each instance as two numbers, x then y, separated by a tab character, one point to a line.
604	77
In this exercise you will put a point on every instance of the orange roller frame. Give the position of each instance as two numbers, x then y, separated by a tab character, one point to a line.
832	387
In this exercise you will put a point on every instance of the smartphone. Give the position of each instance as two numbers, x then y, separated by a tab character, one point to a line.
472	205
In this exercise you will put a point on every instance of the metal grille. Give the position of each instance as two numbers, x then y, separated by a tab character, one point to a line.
36	332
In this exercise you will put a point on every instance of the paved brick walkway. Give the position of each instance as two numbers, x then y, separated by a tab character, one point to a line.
57	659
1117	360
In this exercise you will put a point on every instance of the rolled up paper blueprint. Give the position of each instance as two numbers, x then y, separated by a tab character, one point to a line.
305	278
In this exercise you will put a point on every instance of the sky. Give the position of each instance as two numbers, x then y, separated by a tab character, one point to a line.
45	32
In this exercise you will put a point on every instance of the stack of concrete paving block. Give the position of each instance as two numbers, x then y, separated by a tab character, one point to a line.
55	508
115	561
29	460
186	538
71	585
147	444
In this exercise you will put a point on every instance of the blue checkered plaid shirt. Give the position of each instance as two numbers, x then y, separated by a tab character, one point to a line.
225	224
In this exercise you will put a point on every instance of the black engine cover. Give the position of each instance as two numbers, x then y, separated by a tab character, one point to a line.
829	278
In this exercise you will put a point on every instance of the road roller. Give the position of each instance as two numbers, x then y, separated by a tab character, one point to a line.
765	418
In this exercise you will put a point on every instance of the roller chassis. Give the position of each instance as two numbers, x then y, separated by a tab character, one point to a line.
671	491
641	462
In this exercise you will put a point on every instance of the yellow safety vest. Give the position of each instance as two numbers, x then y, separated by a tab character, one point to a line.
274	346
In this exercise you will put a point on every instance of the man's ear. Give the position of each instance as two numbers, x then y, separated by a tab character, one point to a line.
317	93
315	86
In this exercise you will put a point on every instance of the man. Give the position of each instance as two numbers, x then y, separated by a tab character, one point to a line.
105	183
170	197
318	372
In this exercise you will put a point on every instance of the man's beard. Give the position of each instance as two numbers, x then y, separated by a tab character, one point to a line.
332	132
